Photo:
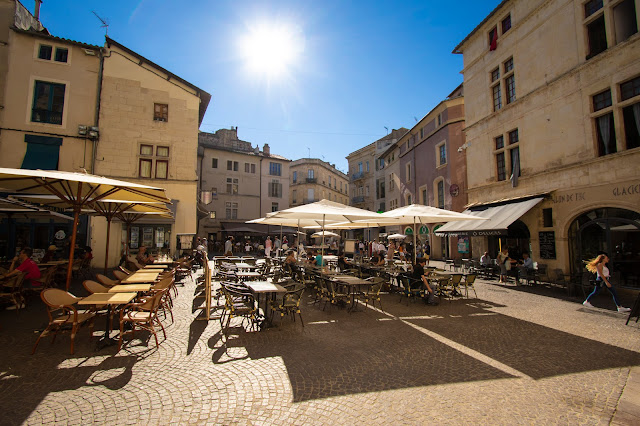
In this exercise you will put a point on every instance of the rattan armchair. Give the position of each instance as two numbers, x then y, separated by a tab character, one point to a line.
142	315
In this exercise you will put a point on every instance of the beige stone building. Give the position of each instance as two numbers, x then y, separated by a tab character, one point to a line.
312	179
385	172
149	120
361	177
48	89
238	183
552	97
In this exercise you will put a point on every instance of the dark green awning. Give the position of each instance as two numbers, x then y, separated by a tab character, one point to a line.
42	152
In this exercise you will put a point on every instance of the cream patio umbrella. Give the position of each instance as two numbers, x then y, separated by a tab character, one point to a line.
325	210
106	207
417	213
324	234
79	190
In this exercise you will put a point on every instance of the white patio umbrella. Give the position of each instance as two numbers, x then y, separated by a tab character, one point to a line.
325	210
324	234
286	221
79	189
417	213
396	237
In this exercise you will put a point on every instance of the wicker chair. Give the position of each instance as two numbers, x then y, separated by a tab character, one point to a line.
142	315
106	281
62	312
12	291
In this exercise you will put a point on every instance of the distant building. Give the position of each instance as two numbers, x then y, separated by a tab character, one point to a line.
312	179
552	99
238	182
384	168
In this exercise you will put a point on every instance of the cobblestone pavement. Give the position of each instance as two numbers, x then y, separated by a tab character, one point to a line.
506	357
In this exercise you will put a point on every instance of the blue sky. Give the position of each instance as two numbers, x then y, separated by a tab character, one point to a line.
363	65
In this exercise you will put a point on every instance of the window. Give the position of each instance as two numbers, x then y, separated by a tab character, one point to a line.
515	162
231	210
631	116
146	149
205	197
508	65
367	169
624	18
493	39
275	189
62	54
500	142
162	151
232	165
425	200
45	52
253	168
502	174
392	182
597	35
393	204
495	75
360	167
409	199
439	119
422	133
275	169
310	195
274	207
547	218
160	112
295	177
310	174
232	186
513	137
294	196
381	209
162	167
591	7
380	193
629	89
246	167
497	97
145	168
441	194
506	24
602	100
441	154
606	134
48	102
510	82
408	172
214	163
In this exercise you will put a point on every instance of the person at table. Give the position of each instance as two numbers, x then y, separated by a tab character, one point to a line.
343	263
419	280
290	261
504	261
24	264
485	259
377	259
50	255
527	262
143	258
317	259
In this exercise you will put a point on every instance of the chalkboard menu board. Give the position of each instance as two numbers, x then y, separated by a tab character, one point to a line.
547	245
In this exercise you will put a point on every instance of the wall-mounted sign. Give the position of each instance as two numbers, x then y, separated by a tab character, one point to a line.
463	244
408	230
423	230
547	245
454	190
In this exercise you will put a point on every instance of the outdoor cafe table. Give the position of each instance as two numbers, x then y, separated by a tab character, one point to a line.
245	266
109	299
154	267
250	275
141	278
125	288
265	288
351	283
52	263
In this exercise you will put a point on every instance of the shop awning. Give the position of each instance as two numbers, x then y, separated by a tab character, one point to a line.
499	218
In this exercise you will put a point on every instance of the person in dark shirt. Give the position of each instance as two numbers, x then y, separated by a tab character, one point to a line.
419	280
50	255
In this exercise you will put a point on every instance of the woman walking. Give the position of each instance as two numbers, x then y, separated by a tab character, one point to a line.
598	266
502	259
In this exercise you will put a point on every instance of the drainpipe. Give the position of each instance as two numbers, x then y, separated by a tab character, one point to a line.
97	113
260	191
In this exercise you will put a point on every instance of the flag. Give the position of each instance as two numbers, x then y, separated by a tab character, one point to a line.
494	41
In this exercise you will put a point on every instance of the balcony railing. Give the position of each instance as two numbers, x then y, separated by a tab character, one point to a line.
312	180
310	200
356	200
357	175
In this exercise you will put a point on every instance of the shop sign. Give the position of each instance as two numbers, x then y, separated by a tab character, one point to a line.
569	198
408	230
423	230
622	191
463	244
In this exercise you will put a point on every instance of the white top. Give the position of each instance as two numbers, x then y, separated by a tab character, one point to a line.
605	272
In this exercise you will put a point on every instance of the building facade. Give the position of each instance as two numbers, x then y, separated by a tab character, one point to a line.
48	90
552	125
312	179
381	173
361	177
238	183
432	170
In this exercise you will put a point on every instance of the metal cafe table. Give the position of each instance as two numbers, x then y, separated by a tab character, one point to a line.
264	288
351	283
109	299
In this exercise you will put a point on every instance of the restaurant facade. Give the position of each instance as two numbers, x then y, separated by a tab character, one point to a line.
553	134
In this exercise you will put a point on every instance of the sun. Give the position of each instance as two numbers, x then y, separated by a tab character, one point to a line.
271	49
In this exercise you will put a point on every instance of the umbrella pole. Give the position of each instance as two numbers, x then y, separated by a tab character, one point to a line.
415	247
76	214
298	239
322	244
126	248
281	237
106	250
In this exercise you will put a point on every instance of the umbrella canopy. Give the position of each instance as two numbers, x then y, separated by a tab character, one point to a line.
12	206
396	237
417	213
324	234
79	190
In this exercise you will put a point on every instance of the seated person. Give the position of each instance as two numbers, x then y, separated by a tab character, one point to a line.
377	259
319	260
343	263
420	281
485	260
88	253
311	257
143	258
527	262
26	264
50	255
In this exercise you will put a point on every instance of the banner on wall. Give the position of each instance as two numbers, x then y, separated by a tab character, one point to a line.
424	229
463	244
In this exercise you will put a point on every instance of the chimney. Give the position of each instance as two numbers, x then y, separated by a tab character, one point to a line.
37	9
266	150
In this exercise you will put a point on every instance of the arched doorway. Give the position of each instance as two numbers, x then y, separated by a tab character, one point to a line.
611	230
517	240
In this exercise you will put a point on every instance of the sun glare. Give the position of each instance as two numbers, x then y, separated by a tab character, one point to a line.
271	49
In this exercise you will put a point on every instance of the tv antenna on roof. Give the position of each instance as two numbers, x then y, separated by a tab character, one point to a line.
105	24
